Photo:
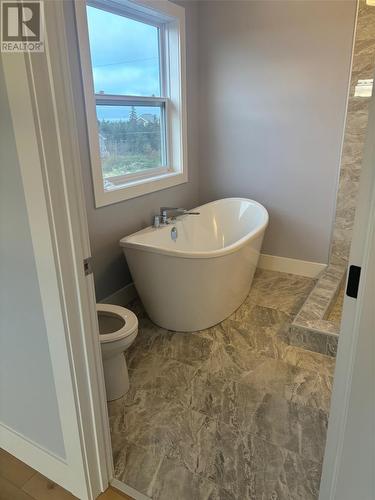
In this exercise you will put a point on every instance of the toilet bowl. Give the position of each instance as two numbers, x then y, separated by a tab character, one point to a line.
118	328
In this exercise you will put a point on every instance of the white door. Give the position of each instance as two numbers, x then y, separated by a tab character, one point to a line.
53	413
349	463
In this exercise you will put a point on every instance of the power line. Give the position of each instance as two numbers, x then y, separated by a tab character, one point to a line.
124	62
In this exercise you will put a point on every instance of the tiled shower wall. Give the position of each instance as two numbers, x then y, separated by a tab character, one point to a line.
313	327
363	67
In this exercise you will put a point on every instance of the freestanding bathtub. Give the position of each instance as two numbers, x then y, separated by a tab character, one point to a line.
204	275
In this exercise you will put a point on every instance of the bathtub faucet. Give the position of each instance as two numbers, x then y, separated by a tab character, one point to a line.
171	212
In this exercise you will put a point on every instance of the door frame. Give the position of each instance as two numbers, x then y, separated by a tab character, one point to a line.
42	111
354	337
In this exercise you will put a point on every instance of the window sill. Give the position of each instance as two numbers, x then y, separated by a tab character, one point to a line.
139	187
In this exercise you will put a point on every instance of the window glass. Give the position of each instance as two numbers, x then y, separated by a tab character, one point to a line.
130	139
124	54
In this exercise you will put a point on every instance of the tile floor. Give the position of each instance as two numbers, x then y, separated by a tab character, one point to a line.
232	412
18	481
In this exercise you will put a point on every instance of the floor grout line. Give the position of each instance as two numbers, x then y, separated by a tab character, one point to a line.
278	355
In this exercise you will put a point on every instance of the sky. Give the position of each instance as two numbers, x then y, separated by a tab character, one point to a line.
124	56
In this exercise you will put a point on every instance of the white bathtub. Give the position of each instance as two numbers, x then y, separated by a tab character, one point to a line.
204	275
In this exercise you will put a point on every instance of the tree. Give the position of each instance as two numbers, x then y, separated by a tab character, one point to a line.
133	115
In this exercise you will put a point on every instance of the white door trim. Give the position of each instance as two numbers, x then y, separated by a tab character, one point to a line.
354	340
37	209
42	110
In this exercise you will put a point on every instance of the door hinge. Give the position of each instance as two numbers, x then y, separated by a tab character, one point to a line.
87	266
353	281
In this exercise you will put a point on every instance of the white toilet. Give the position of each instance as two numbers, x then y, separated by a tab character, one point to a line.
118	328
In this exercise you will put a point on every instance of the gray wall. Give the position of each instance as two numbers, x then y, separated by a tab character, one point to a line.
273	84
107	225
28	403
266	96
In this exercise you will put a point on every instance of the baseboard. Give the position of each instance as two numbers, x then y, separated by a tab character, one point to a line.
37	457
124	295
128	490
293	266
121	297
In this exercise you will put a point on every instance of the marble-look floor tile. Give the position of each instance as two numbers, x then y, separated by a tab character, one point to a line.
245	462
234	401
313	361
261	331
290	382
192	439
251	468
229	362
143	343
229	412
226	400
142	413
179	432
298	428
181	346
295	426
282	291
168	378
150	472
138	467
253	355
175	482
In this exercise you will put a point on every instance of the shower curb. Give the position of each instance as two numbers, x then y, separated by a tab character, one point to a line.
310	328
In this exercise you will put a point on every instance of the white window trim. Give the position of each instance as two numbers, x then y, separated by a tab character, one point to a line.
172	17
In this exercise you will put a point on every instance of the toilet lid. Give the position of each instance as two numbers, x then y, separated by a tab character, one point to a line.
130	322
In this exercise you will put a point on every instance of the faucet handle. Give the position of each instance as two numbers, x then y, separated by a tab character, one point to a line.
166	209
156	223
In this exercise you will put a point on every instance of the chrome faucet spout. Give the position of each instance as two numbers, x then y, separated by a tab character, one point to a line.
173	212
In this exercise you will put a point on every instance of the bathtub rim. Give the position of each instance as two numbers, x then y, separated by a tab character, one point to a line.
206	254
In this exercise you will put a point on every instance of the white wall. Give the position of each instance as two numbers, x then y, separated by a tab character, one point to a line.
273	85
28	403
107	225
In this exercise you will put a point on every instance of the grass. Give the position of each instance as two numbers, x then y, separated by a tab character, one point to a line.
127	164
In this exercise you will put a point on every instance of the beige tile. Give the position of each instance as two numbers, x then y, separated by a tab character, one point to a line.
112	494
14	470
41	488
9	491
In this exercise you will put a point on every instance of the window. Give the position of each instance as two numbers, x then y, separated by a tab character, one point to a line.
133	72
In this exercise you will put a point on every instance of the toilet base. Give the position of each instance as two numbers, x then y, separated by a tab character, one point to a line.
116	377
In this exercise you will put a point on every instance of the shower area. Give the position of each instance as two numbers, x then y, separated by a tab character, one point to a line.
317	325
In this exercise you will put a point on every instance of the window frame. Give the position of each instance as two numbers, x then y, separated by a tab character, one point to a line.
169	18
